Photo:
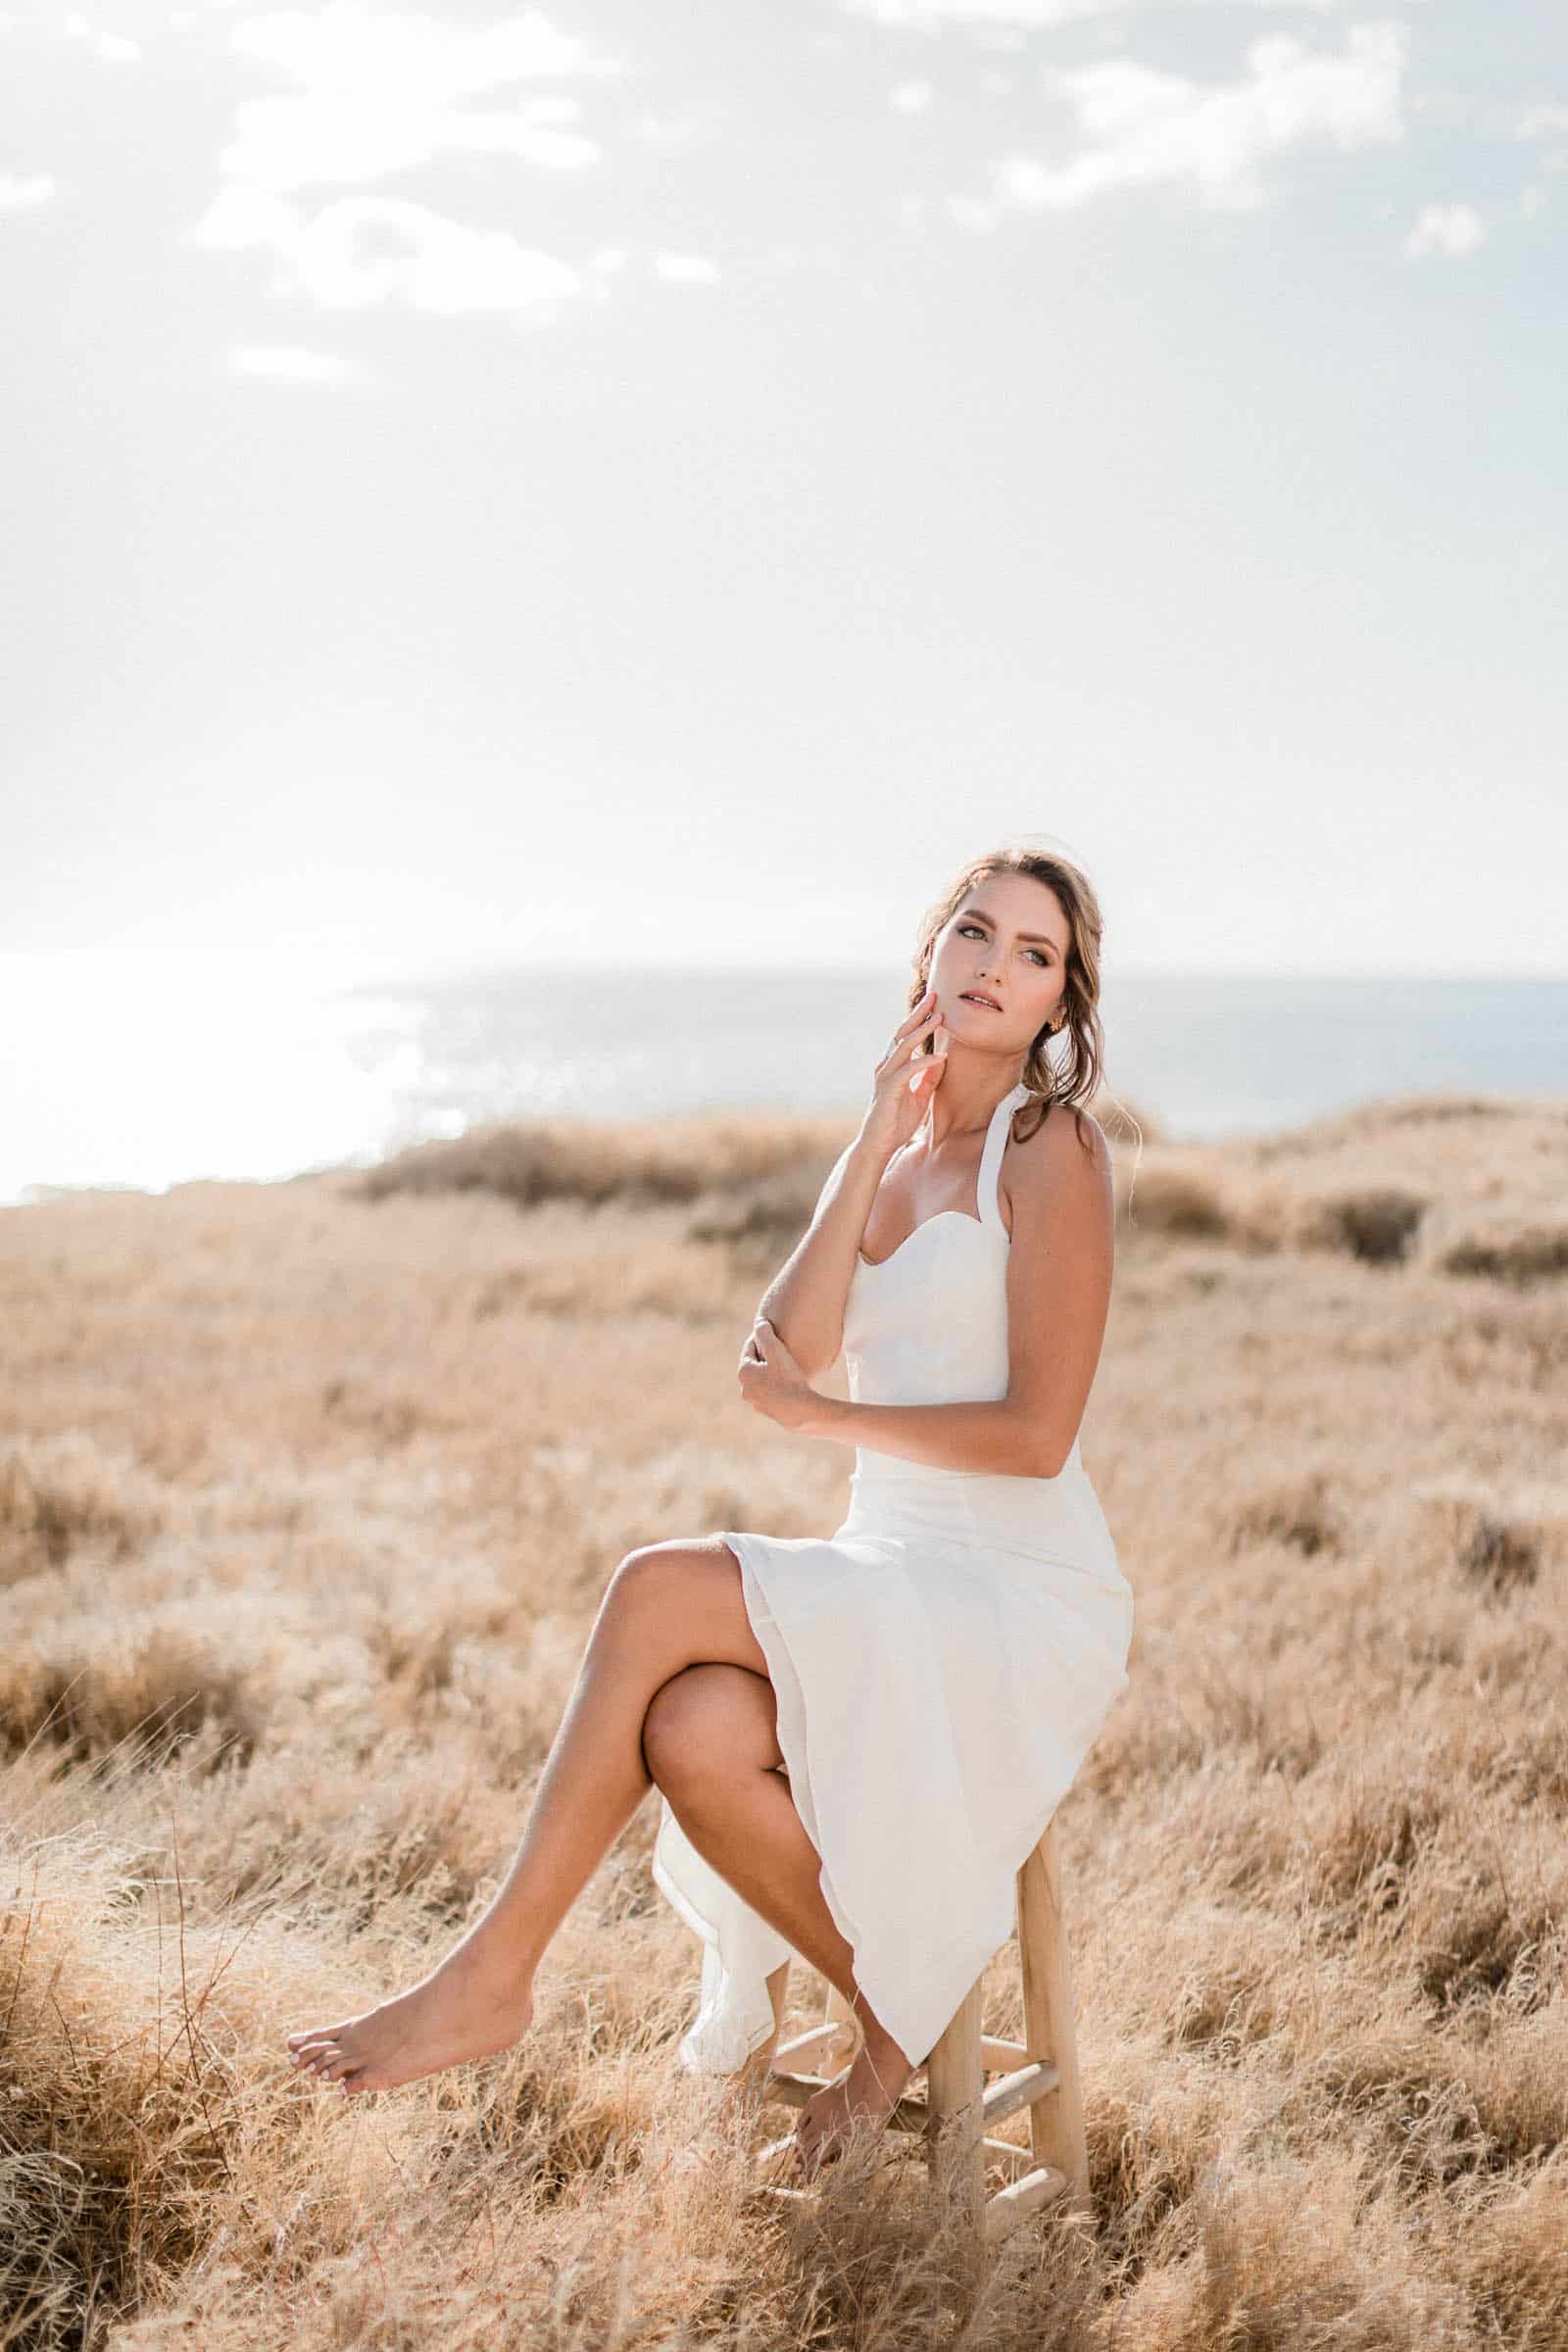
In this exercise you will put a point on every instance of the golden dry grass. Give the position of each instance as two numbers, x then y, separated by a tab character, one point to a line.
307	1495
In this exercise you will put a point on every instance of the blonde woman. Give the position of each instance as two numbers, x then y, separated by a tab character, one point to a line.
858	1737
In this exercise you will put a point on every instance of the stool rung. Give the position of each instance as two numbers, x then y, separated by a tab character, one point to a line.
776	2152
1008	2208
818	2037
1004	2097
1031	2083
994	2053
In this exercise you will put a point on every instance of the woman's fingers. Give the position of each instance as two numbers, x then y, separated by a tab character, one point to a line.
905	1047
916	1019
917	1013
928	1069
930	1027
752	1352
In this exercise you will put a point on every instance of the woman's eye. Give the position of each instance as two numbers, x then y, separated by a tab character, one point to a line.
975	927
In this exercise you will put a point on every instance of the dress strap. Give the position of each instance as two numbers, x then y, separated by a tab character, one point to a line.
996	1144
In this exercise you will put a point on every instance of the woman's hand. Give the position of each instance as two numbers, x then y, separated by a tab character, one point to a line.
772	1381
906	1077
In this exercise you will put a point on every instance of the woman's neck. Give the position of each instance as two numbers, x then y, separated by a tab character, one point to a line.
968	1107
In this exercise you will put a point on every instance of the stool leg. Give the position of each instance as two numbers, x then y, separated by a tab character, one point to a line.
955	2083
1055	2123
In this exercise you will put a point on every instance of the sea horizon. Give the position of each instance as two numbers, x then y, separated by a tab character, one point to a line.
144	1084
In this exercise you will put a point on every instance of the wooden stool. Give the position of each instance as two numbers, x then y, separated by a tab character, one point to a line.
1040	2073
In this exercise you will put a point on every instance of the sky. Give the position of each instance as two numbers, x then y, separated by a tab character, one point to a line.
600	484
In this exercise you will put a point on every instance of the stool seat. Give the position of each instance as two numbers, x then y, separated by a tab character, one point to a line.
1040	2073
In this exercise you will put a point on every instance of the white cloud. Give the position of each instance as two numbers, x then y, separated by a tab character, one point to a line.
1454	230
686	268
381	94
288	143
25	195
290	363
348	48
240	219
677	133
929	16
1138	126
365	250
925	16
1542	122
911	97
114	48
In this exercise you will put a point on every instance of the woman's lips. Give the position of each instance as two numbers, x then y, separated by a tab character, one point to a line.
966	999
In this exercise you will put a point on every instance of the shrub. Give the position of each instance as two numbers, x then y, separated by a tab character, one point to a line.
1296	1512
1178	1204
637	1165
148	1701
1377	1223
1521	1255
62	1491
1492	1546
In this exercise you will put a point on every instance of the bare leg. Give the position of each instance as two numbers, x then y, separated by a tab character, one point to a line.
712	1745
668	1606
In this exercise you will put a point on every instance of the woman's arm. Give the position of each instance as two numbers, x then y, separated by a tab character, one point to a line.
946	1437
805	1299
1058	1298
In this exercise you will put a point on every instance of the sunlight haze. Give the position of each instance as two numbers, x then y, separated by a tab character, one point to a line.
592	485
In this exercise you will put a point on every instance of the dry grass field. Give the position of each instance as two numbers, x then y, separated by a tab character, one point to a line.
308	1493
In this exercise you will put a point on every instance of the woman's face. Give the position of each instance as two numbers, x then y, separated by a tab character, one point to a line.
1009	940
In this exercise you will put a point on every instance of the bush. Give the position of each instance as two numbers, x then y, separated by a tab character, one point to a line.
59	1493
1296	1512
148	1701
1178	1204
1520	1255
1492	1546
1377	1223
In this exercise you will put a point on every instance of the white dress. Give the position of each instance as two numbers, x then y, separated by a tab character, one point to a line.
941	1662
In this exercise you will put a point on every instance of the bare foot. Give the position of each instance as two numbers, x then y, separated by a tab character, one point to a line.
463	2009
872	2085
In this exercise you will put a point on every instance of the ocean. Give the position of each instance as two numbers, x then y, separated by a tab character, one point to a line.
136	1077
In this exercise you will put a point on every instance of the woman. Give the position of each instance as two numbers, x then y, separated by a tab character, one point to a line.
859	1738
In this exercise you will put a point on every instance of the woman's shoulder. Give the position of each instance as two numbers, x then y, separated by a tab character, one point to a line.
1067	1148
1064	1127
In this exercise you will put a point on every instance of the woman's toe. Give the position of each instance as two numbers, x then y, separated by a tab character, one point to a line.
308	2033
316	2038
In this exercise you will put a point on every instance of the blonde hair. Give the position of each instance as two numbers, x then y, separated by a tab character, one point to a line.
1077	1078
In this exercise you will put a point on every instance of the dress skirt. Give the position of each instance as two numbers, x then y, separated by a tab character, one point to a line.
942	1664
